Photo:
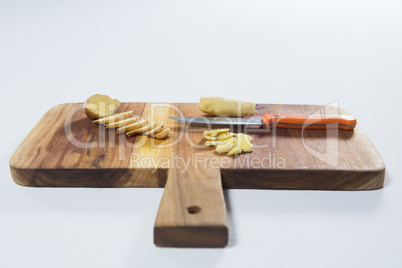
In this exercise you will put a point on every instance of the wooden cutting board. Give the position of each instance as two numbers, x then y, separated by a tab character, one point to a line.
66	149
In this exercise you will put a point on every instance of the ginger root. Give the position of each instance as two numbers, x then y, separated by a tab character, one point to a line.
97	106
219	106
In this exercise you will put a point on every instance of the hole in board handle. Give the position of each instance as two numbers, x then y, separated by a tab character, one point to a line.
193	209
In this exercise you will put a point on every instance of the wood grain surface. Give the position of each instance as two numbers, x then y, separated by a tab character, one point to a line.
192	212
66	149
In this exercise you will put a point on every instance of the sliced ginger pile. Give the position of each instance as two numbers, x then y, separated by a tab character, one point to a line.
228	142
132	125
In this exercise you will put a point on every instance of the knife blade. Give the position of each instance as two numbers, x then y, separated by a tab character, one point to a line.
295	121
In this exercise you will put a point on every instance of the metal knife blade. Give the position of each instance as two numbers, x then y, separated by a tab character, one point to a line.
229	121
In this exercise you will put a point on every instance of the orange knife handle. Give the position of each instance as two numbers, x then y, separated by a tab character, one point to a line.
301	121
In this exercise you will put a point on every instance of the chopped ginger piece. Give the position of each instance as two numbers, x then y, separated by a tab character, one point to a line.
235	150
224	148
244	142
228	142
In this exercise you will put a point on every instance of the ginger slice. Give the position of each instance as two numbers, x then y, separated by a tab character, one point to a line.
123	123
218	134
224	148
230	139
235	150
114	118
245	143
221	130
211	143
158	128
218	142
223	136
143	129
97	106
136	125
207	133
215	132
249	137
163	134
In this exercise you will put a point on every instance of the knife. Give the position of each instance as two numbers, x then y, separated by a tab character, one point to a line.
297	121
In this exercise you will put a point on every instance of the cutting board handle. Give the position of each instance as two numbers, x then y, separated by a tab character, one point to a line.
192	212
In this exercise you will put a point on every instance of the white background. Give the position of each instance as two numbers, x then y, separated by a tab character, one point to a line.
304	52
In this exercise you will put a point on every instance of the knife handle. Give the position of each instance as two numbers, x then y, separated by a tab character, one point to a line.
300	121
